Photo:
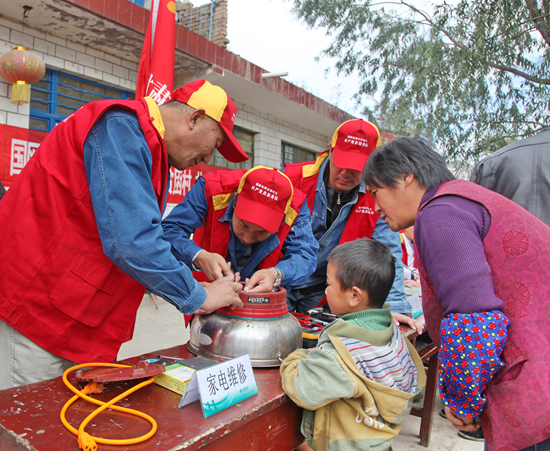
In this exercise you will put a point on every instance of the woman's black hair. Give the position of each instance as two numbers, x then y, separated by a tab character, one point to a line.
404	156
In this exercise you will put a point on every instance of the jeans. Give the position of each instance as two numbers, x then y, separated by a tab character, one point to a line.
301	303
542	446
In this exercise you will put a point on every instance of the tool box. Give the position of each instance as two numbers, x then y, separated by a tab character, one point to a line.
313	322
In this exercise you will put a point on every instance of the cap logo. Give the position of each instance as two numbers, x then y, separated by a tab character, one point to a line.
356	141
264	190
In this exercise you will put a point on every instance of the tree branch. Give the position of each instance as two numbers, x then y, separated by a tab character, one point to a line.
540	23
512	70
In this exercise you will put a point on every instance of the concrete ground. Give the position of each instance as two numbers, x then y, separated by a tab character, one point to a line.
162	327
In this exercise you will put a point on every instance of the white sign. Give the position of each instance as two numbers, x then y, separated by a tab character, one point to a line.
221	386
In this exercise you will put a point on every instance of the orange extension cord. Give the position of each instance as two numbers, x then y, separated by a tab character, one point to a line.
85	440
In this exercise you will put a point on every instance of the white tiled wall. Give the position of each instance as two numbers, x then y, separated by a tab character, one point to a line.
271	132
63	55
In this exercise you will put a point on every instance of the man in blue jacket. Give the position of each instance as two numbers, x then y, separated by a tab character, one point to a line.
251	222
342	210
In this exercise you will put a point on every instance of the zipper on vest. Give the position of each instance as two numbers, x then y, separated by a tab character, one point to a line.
338	200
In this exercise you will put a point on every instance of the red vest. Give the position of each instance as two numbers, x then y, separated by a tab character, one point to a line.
213	236
57	287
517	247
362	219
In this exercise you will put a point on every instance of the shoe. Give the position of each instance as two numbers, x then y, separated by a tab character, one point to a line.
476	436
442	413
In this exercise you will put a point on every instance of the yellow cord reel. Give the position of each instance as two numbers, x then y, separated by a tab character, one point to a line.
117	373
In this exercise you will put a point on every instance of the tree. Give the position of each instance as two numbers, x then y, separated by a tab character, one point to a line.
470	75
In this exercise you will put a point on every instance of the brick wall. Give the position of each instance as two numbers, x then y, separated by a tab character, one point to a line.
197	19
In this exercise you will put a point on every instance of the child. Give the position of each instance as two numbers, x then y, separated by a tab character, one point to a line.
357	386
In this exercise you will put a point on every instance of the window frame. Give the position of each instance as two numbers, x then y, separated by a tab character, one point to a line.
312	155
248	164
50	114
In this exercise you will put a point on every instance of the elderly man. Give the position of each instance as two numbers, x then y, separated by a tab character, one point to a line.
485	283
342	210
252	222
80	232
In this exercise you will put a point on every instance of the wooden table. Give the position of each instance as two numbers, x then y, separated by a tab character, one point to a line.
29	417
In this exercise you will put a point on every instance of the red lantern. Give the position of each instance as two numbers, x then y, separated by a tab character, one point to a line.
22	68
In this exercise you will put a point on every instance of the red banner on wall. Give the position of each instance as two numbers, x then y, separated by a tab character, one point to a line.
17	146
182	181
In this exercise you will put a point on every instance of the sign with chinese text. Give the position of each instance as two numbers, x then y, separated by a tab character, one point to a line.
17	146
221	386
182	181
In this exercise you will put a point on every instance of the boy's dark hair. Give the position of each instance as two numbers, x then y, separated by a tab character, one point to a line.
404	156
367	264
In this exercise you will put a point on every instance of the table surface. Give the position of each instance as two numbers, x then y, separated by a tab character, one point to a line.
29	417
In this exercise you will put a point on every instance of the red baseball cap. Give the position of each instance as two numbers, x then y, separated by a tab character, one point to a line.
264	198
218	106
353	142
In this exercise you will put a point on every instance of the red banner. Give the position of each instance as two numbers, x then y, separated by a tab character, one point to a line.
156	65
182	181
17	146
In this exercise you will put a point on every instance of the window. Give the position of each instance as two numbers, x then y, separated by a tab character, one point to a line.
58	95
246	140
294	154
139	2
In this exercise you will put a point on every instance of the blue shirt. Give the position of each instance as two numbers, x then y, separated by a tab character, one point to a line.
299	249
329	239
118	168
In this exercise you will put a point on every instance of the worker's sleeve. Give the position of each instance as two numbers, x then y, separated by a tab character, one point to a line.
118	168
299	251
315	378
471	345
183	220
397	299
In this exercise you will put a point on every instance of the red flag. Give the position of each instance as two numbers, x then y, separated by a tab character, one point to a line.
156	65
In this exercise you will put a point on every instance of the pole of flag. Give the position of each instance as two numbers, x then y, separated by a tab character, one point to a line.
156	65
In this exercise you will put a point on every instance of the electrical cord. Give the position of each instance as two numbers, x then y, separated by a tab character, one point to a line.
86	441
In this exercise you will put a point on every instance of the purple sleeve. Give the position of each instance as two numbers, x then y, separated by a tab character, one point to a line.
449	234
471	345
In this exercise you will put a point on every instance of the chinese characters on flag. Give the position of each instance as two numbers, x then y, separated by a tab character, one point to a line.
156	65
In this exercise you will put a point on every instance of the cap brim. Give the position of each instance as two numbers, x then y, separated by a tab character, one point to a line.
231	150
349	160
257	213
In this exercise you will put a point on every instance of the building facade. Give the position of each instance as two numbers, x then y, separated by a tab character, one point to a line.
92	48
